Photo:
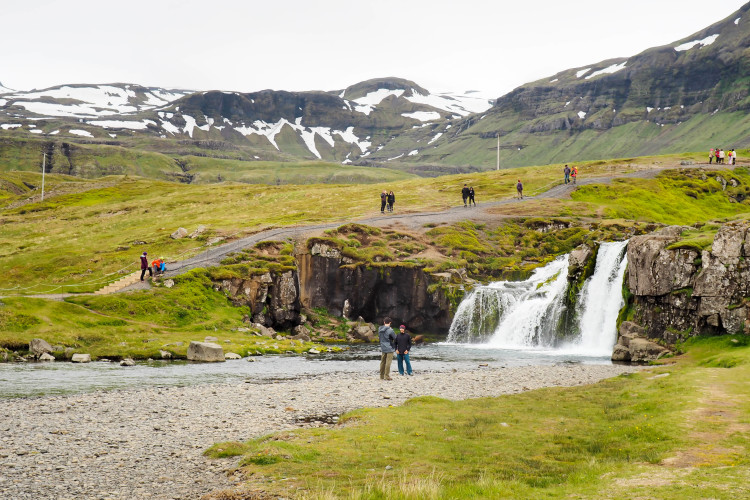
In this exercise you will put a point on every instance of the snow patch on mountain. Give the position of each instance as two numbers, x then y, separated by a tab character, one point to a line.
582	72
7	126
689	45
131	125
609	69
437	136
367	103
462	104
92	101
423	116
84	133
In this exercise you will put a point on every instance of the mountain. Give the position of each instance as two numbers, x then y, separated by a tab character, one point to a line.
344	126
690	95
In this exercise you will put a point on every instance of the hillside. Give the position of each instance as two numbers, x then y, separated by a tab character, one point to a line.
344	126
690	95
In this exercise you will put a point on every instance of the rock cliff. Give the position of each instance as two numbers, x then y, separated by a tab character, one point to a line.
680	290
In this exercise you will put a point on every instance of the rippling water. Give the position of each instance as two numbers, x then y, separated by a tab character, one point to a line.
38	379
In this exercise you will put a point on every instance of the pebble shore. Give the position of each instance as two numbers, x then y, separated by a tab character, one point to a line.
148	443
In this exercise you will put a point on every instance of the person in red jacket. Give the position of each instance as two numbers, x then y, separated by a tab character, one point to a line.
145	266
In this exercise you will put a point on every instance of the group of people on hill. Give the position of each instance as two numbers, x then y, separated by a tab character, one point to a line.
467	193
390	343
158	265
571	174
387	200
720	156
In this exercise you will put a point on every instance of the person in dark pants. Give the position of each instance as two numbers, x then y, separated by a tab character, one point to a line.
471	196
403	346
566	171
383	201
145	266
391	201
465	193
519	189
387	338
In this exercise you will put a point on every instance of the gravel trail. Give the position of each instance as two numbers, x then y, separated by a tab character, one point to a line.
148	442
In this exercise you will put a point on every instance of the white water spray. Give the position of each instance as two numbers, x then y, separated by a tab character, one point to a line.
514	313
528	314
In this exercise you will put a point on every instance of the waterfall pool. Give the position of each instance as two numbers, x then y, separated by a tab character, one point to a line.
41	379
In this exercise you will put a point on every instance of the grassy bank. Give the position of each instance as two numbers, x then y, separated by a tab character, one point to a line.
677	431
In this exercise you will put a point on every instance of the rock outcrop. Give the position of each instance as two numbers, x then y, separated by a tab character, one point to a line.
37	347
81	358
634	347
332	281
681	291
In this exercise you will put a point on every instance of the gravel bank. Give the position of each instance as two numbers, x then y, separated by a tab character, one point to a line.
148	443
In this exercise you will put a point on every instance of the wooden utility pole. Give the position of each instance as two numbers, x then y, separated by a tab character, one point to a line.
44	167
498	151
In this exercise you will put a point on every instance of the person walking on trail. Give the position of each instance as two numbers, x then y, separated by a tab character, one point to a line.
566	171
403	346
387	340
710	156
465	194
519	189
734	157
144	266
717	155
722	156
729	157
471	196
574	174
391	201
383	201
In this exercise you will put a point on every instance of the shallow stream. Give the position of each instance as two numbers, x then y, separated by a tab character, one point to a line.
39	379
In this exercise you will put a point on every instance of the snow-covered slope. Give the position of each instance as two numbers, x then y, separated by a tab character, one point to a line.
89	101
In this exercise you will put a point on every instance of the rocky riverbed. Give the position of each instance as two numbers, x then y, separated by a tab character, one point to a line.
148	443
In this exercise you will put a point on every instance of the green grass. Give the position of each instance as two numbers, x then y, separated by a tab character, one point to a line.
600	441
137	324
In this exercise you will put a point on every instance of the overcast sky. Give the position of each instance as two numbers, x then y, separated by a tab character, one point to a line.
492	46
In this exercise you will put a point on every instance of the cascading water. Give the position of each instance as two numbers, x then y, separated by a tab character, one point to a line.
601	301
514	313
527	314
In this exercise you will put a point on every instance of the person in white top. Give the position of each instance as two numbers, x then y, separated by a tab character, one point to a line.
734	157
722	155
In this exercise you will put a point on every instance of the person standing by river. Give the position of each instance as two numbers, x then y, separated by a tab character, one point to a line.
387	339
403	346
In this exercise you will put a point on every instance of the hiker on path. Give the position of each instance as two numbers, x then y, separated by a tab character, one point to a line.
465	194
391	201
710	156
519	189
734	157
574	174
403	346
566	171
144	266
387	339
717	155
159	265
383	201
722	156
471	196
729	157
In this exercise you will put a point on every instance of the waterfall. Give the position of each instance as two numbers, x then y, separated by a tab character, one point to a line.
514	313
527	314
601	301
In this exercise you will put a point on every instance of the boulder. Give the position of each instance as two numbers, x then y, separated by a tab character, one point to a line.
46	357
620	353
169	283
643	350
198	231
232	355
37	347
165	354
210	339
205	351
314	351
179	234
362	332
68	352
127	362
81	358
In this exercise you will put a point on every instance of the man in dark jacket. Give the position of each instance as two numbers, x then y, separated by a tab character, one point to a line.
387	338
383	201
465	193
145	266
403	346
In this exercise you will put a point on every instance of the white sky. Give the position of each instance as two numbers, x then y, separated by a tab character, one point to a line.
492	45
